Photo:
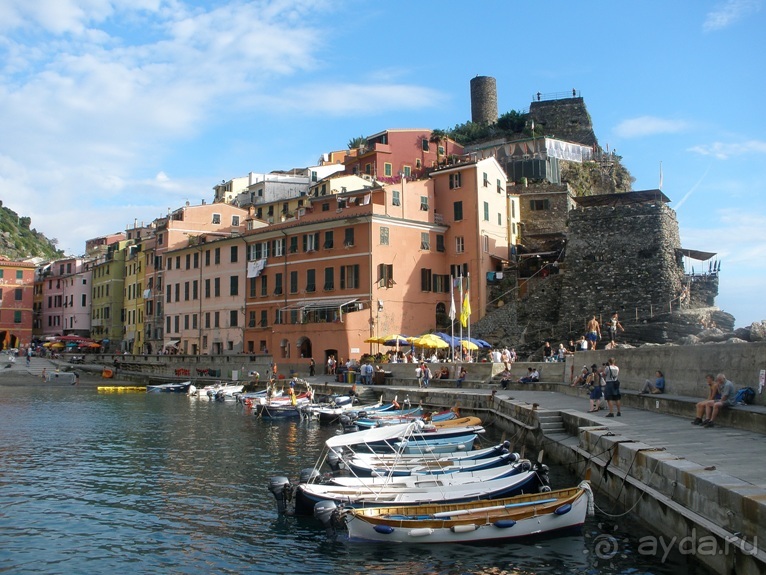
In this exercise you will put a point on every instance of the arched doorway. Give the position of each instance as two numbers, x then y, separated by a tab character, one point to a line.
304	347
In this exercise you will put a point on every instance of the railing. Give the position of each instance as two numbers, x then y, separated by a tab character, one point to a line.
539	96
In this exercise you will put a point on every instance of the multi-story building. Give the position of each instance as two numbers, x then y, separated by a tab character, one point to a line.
66	300
108	272
133	300
204	295
16	303
392	154
178	229
373	261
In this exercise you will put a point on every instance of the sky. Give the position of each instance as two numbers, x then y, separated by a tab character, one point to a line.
114	111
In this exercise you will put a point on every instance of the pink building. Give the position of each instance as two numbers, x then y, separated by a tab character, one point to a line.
66	303
16	303
392	154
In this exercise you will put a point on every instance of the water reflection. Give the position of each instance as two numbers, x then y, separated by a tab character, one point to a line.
154	483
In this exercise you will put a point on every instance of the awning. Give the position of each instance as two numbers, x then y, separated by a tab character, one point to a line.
697	254
316	304
172	343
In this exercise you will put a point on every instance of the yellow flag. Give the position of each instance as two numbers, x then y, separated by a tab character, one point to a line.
465	312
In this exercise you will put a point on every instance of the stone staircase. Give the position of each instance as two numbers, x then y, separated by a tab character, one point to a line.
551	422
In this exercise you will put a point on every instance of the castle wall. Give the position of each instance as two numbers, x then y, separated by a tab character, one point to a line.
620	258
565	119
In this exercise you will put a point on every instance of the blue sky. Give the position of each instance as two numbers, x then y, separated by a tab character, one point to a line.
116	110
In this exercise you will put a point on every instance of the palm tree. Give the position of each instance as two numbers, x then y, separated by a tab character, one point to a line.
358	142
437	137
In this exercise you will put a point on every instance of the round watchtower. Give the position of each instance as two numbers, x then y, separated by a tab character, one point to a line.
483	100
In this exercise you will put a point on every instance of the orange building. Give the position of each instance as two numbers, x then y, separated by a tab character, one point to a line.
371	262
17	280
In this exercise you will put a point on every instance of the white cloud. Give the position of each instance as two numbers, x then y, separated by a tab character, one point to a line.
723	151
729	13
649	126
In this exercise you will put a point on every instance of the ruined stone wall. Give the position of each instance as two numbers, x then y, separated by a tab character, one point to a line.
566	119
620	258
552	219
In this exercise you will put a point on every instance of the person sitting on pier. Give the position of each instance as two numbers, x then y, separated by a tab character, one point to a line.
505	379
656	386
533	376
712	396
582	379
727	399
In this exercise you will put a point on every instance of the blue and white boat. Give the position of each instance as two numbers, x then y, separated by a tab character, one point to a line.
182	387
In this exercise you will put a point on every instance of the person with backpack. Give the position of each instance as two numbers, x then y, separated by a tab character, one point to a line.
594	385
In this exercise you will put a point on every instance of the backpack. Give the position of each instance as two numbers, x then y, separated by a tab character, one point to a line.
745	395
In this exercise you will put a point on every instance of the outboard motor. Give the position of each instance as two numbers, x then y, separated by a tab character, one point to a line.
361	414
326	511
192	390
308	475
210	393
333	460
281	489
542	473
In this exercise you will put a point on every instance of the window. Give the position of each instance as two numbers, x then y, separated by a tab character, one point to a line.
329	279
349	277
235	221
539	205
216	287
178	262
486	180
325	207
440	243
186	291
188	261
500	187
328	240
217	319
253	289
168	295
278	284
234	254
424	203
424	144
196	260
459	270
20	274
17	294
216	218
407	170
186	321
207	258
207	288
499	219
513	209
368	169
294	244
233	318
425	279
264	318
264	286
279	247
388	169
396	198
17	316
425	241
458	209
486	211
455	181
485	241
383	236
310	242
311	280
178	292
217	254
441	283
386	275
459	244
348	239
294	282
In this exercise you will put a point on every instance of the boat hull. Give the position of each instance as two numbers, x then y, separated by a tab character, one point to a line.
525	517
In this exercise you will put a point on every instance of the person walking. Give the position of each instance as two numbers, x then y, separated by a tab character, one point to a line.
593	332
612	387
312	367
614	325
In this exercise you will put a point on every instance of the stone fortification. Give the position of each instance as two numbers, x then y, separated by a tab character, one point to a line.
621	257
566	119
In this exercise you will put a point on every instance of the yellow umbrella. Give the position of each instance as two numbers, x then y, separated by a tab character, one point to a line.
57	345
431	341
373	340
469	345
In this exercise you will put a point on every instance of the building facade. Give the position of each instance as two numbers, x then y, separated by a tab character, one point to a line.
17	281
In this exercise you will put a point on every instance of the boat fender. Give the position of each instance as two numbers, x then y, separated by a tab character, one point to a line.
460	447
526	465
464	528
564	509
514	457
507	445
545	489
504	523
384	529
421	532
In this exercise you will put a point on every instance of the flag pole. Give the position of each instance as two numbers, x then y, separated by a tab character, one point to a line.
468	295
461	314
452	316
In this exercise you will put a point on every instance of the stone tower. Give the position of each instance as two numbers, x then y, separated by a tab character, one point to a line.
483	100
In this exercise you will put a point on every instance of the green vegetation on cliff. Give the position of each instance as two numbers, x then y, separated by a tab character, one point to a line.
19	242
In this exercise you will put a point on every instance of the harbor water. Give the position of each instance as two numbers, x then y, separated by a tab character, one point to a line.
160	483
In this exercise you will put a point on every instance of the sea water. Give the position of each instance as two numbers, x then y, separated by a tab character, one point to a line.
161	483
